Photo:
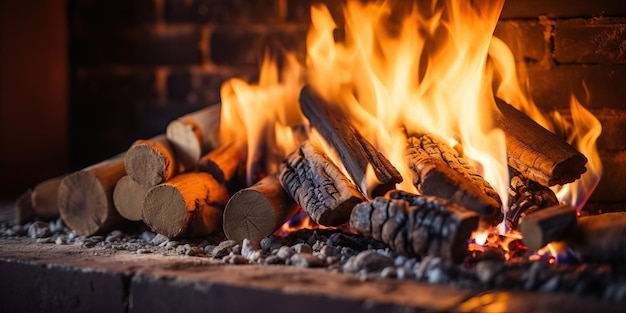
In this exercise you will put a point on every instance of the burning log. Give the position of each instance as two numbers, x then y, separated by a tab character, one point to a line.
86	197
128	198
599	238
193	135
319	186
417	225
535	152
188	205
45	198
550	224
257	211
151	162
225	163
355	152
438	170
526	197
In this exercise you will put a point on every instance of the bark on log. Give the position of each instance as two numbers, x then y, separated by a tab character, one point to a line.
128	198
599	238
257	211
438	170
535	152
151	162
45	198
319	186
23	206
550	224
188	205
194	134
416	225
86	198
526	197
355	152
227	164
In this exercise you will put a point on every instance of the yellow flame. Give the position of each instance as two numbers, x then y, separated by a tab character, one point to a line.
583	132
262	115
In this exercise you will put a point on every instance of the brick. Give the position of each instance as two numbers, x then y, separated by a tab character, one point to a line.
611	186
200	87
237	46
104	108
87	15
613	124
169	46
561	8
590	41
222	11
524	38
551	88
31	287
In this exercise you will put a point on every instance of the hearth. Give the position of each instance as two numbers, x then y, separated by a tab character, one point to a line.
402	147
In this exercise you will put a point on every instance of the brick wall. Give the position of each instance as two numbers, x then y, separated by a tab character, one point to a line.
135	65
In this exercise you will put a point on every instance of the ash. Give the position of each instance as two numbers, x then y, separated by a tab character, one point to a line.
339	251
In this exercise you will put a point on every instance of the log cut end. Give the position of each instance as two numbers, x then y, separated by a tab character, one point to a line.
550	224
164	210
128	198
45	198
83	203
149	163
186	140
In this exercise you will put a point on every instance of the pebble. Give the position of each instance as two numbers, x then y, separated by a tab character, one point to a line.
38	230
248	247
114	236
270	243
45	240
92	241
273	259
303	248
147	236
60	240
159	239
486	270
285	252
306	260
328	251
143	251
368	261
235	259
223	249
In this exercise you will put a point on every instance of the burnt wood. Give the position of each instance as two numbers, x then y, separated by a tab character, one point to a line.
535	152
599	238
526	197
416	225
319	186
550	224
259	210
438	170
188	205
355	152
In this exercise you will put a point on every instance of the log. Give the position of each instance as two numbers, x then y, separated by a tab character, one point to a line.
194	134
599	238
319	186
416	225
535	152
151	162
188	205
227	164
438	170
355	152
86	198
550	224
526	197
23	207
128	198
45	198
257	211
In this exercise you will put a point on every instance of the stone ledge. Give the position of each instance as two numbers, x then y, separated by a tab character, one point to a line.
71	278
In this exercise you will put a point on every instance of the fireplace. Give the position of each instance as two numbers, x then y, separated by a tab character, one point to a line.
134	71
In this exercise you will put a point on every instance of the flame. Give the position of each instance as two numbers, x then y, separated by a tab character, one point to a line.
583	133
263	115
424	73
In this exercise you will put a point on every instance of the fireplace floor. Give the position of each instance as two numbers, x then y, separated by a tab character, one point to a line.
66	278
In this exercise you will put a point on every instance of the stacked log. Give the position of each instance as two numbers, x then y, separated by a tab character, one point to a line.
151	162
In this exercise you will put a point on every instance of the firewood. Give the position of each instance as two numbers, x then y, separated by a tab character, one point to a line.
188	205
526	197
416	225
86	198
257	211
319	186
45	198
151	162
128	198
535	152
355	152
227	164
194	134
599	238
438	170
550	224
23	206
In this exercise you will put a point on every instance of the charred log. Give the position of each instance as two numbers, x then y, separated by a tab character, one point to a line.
600	238
550	224
526	197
